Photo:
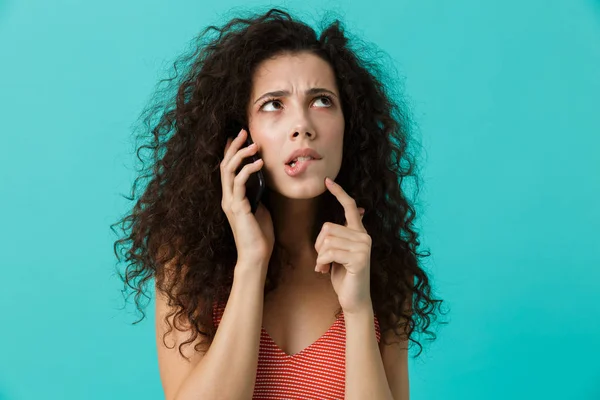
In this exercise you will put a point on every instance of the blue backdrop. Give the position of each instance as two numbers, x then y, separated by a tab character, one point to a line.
503	95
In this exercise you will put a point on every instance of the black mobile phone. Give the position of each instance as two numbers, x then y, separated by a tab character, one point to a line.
255	185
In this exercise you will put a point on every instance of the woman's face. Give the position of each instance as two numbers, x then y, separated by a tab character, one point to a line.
305	113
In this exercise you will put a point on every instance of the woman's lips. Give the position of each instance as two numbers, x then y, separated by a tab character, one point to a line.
298	168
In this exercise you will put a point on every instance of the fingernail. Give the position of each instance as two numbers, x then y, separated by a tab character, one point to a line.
328	181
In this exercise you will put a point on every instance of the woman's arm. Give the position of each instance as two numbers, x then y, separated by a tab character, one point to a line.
228	368
365	373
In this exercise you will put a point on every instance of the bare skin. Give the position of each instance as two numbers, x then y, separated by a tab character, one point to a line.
285	123
314	303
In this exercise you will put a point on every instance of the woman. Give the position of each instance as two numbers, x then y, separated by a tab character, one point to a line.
318	293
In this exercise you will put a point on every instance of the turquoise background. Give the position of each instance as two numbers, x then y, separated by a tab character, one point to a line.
505	95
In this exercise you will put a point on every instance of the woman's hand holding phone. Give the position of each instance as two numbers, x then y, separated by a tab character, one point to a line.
253	233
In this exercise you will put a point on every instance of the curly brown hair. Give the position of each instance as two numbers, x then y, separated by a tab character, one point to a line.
177	231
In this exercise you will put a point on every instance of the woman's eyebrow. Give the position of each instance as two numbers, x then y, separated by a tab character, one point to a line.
283	93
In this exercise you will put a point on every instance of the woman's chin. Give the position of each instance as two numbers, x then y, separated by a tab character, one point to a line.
308	189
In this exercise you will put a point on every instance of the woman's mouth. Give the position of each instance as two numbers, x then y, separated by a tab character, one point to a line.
298	166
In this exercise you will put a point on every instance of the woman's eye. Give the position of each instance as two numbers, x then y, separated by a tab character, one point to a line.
270	102
327	101
275	105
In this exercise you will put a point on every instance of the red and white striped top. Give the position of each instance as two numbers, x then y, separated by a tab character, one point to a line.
316	372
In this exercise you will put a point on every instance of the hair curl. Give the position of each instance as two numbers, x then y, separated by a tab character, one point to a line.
178	222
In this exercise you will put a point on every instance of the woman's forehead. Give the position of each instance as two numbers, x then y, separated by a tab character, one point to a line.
292	73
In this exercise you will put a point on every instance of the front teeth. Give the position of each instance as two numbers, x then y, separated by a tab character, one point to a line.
300	159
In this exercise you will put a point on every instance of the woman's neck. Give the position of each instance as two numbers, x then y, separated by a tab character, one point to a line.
293	221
